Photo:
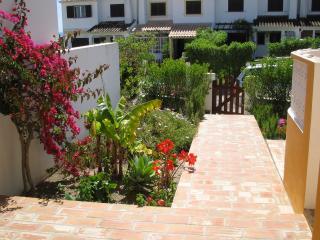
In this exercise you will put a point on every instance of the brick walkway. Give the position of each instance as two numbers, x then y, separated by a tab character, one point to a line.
277	149
235	193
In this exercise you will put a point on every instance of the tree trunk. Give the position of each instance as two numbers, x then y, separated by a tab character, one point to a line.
114	159
99	154
121	156
25	136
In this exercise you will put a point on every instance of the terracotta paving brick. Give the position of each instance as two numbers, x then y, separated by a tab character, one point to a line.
235	193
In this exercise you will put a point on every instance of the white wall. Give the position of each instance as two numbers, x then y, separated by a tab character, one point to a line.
89	58
42	24
207	16
10	171
71	24
223	16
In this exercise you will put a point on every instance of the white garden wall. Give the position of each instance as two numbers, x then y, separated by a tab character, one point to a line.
10	168
43	18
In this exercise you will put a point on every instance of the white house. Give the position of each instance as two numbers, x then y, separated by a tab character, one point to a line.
175	22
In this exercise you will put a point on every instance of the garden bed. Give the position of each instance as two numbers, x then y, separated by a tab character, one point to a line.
59	186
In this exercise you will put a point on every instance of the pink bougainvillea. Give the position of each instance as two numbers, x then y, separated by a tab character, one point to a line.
38	86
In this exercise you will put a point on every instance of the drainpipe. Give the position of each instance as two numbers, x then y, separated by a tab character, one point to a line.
138	17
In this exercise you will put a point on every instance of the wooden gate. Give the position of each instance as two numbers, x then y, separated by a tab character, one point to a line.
227	97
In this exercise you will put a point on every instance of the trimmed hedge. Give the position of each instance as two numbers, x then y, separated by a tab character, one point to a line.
211	48
181	87
285	47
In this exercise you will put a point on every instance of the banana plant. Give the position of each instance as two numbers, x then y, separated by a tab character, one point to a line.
118	126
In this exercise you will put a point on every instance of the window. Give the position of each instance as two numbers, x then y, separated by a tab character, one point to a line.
117	10
236	37
261	38
235	5
289	34
98	40
275	37
158	9
275	5
306	34
193	7
78	42
80	11
315	6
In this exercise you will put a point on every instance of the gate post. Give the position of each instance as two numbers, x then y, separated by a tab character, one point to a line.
302	158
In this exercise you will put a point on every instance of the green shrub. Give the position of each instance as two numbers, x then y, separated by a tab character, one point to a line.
140	176
267	120
96	188
164	124
211	48
286	46
270	84
181	87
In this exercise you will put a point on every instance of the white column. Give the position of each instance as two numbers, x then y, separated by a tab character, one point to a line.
293	9
303	8
128	11
142	11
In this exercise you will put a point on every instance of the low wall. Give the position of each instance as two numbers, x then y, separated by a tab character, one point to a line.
10	171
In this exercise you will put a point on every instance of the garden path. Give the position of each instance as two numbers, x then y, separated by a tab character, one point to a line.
235	193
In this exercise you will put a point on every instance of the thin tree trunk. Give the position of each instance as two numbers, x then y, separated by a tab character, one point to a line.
99	153
114	159
121	156
25	136
27	165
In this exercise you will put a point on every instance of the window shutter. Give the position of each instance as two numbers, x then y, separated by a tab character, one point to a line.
88	11
70	12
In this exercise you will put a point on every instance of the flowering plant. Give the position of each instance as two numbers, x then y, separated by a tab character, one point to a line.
282	127
168	163
37	87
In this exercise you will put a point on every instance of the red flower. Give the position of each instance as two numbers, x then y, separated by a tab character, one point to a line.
166	146
149	199
183	155
192	159
161	202
156	166
170	165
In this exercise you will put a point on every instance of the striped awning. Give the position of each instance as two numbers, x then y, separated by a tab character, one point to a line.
184	31
175	31
284	21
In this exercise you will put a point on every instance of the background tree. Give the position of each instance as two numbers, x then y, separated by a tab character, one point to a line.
134	53
37	89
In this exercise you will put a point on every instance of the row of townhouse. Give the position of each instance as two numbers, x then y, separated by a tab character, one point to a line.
175	22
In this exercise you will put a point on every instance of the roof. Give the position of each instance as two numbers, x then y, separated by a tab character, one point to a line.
284	21
119	26
175	30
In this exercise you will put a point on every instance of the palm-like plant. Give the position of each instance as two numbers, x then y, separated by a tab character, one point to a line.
140	177
118	126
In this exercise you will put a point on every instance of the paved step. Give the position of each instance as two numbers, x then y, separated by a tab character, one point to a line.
235	193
